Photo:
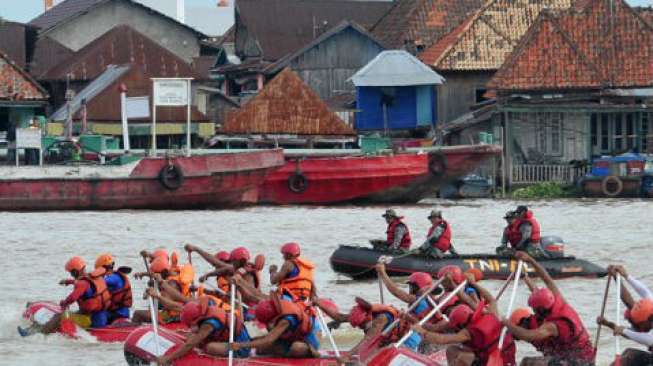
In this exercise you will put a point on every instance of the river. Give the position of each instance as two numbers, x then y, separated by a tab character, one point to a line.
36	246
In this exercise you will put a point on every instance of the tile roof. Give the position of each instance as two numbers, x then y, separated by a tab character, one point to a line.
396	68
422	21
286	106
646	13
70	9
18	85
577	50
486	38
121	45
284	26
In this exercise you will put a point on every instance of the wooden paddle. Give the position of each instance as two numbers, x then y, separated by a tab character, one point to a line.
598	330
617	339
496	358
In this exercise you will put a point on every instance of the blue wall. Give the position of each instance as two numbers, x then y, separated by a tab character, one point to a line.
412	107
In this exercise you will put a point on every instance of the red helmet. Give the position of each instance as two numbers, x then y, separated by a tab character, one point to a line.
455	271
542	298
519	314
477	273
460	316
265	311
422	280
290	249
160	253
358	316
191	312
222	255
641	311
159	264
75	264
238	254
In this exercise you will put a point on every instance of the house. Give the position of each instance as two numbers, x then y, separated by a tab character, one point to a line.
215	104
396	91
76	23
267	31
468	56
285	113
327	62
415	25
579	85
21	98
103	111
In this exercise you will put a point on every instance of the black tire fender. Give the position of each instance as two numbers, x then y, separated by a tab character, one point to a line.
171	176
606	186
297	182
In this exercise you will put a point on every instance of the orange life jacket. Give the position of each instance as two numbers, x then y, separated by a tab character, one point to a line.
101	298
211	310
305	326
123	297
444	241
390	234
300	286
223	283
184	287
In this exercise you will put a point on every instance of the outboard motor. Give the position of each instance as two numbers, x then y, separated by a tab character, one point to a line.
553	246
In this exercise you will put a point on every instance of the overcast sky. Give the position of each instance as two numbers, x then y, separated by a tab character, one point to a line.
201	14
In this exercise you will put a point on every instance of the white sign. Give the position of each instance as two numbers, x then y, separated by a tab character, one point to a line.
148	343
138	107
28	138
171	92
43	315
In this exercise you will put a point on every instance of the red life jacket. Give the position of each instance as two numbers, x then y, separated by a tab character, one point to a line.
211	310
101	298
305	326
513	234
485	331
573	341
123	297
535	226
444	241
405	240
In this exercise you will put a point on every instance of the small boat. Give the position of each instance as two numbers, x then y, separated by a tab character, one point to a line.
142	347
626	175
358	263
40	312
391	355
170	182
470	186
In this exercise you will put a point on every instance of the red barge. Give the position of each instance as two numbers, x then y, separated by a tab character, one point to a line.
201	181
343	177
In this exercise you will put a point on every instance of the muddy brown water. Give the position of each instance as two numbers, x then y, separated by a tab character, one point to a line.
36	246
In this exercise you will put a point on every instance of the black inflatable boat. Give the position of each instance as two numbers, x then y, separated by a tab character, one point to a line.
359	262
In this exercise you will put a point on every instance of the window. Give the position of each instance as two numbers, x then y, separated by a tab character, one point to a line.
549	133
605	133
479	95
647	120
594	128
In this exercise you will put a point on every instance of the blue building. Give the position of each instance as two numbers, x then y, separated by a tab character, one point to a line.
396	91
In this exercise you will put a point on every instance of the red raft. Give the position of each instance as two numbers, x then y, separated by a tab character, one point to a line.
179	182
141	348
41	311
346	178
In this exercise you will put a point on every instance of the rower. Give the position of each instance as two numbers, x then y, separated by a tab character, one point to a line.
119	287
397	233
511	234
640	316
529	233
221	275
291	330
91	294
438	238
295	278
558	333
161	267
210	330
477	330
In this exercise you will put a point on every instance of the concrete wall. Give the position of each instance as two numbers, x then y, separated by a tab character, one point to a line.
85	28
458	93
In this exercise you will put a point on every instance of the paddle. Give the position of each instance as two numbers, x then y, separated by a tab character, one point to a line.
328	331
231	322
598	330
496	359
153	314
366	347
221	292
617	340
432	312
190	262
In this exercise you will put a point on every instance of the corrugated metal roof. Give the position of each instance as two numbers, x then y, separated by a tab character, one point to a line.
13	41
396	68
48	53
108	77
286	106
284	26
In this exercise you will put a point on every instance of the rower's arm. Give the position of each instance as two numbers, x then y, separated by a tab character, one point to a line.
192	342
250	293
167	303
215	262
543	332
487	296
444	338
529	283
173	293
333	313
438	327
392	287
377	327
544	275
276	277
268	339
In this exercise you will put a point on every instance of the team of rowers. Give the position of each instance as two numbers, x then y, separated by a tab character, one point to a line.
468	322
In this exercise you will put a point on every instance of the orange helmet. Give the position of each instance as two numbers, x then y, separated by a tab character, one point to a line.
75	263
159	264
519	314
641	311
160	253
104	260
